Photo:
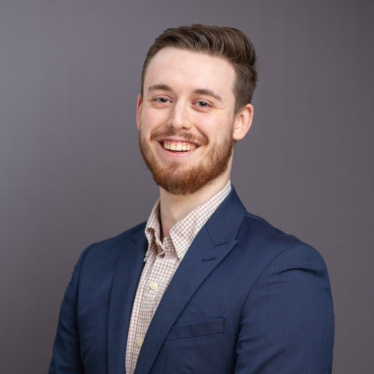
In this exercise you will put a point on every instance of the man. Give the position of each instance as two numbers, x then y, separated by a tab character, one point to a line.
202	286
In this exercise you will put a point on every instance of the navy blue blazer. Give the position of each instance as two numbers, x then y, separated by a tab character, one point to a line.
246	299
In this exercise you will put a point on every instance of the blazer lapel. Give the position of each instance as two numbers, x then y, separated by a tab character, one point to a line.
122	295
212	244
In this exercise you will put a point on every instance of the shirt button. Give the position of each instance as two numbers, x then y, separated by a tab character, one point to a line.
153	286
139	342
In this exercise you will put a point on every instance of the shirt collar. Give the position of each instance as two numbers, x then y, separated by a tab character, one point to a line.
185	230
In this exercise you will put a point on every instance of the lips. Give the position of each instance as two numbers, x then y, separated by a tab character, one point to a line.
178	142
178	146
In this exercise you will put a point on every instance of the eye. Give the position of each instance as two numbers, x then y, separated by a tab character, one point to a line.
203	104
161	100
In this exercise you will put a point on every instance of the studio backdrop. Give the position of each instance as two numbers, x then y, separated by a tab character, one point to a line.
71	172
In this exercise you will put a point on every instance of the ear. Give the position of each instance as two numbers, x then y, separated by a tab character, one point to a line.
243	122
139	110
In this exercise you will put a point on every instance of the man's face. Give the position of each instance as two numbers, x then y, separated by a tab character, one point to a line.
186	119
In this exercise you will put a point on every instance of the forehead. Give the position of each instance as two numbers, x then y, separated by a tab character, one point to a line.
188	70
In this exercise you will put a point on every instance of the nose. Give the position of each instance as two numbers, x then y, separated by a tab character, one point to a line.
179	118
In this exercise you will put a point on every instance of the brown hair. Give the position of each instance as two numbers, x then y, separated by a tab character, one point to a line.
226	42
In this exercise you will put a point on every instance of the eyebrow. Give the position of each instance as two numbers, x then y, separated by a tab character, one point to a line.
205	91
198	91
163	87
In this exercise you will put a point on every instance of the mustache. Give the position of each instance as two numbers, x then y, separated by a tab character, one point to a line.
187	136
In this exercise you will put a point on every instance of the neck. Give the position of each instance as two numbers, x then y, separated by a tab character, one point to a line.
174	207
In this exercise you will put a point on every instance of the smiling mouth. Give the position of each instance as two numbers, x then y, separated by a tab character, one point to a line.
175	146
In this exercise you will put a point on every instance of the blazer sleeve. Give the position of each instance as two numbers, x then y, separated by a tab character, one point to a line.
287	322
66	349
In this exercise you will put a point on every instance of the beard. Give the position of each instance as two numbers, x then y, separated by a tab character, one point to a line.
179	179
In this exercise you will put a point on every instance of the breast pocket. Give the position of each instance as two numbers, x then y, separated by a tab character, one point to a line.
204	328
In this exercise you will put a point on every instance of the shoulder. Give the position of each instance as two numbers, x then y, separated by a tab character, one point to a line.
268	244
111	248
257	239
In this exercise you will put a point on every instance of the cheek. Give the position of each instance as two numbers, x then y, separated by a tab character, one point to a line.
152	119
207	123
216	128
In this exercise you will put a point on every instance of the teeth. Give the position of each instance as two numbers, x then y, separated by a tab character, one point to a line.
179	147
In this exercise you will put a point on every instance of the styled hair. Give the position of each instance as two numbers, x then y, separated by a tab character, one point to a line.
226	42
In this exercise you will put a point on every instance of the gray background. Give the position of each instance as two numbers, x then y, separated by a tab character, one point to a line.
71	172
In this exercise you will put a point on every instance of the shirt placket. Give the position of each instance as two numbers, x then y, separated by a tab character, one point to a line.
151	289
138	335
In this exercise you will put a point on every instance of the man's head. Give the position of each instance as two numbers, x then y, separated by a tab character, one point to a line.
226	42
194	105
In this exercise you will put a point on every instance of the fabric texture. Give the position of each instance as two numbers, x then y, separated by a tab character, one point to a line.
246	299
162	260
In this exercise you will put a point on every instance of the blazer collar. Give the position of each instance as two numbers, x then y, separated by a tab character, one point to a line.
125	282
225	222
